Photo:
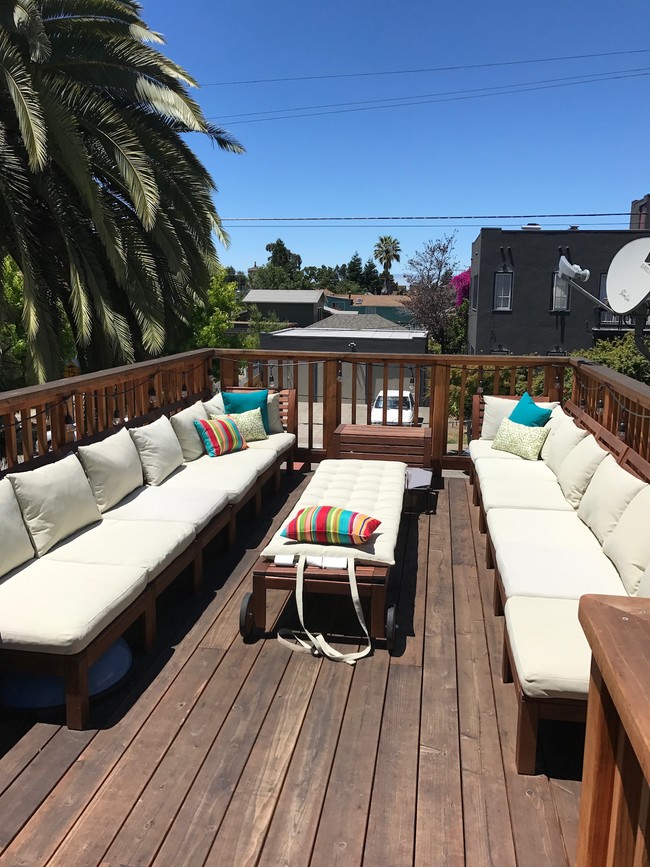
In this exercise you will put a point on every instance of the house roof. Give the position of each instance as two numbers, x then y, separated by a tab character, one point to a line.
348	321
372	300
284	296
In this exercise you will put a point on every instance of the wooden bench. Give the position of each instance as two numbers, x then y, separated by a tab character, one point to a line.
411	445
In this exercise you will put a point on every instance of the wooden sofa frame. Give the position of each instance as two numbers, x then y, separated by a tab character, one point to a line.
74	668
531	710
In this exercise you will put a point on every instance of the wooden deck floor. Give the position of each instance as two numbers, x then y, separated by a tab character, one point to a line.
223	752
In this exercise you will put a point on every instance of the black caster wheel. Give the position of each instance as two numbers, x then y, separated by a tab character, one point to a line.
391	616
246	619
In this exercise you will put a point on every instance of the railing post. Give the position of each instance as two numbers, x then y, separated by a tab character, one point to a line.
439	414
227	374
331	404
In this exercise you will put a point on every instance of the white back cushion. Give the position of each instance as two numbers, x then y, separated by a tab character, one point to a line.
15	545
558	416
215	406
628	545
56	501
644	584
159	449
113	468
275	422
565	438
498	408
188	436
609	492
578	467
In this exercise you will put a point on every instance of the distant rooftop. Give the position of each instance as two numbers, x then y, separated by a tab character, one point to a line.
348	321
284	296
371	300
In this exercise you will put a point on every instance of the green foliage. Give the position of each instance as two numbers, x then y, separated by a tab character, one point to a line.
387	250
354	272
371	279
282	257
276	277
620	354
103	206
258	324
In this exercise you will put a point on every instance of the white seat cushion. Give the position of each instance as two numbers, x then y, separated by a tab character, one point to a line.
279	442
608	494
113	468
59	607
482	448
235	473
510	493
159	503
538	569
375	488
525	470
549	650
188	436
159	449
560	530
15	546
55	500
127	543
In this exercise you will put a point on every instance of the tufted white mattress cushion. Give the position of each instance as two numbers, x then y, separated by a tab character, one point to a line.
375	488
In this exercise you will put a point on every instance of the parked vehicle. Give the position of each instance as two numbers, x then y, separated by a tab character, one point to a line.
392	408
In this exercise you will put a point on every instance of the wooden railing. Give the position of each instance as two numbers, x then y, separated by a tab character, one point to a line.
614	826
332	388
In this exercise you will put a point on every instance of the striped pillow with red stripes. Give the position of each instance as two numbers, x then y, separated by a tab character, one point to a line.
330	525
220	436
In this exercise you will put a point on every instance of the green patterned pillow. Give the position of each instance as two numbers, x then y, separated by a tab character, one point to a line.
518	439
250	424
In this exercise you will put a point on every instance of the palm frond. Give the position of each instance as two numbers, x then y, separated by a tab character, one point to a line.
18	82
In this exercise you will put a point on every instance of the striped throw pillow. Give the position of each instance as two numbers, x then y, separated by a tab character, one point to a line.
331	526
220	436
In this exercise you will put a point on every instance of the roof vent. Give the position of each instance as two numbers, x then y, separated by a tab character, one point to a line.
531	227
573	228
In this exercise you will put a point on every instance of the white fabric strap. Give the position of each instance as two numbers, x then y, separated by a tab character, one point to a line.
317	644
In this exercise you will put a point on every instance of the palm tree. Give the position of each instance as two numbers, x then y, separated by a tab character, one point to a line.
105	209
387	251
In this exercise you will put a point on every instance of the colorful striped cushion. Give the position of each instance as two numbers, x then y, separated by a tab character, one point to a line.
330	525
220	436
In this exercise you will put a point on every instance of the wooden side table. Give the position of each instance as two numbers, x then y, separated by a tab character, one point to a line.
376	442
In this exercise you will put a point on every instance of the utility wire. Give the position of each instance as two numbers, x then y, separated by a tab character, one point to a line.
428	69
579	79
477	95
438	217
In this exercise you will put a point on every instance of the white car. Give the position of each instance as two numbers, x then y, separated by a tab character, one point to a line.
392	408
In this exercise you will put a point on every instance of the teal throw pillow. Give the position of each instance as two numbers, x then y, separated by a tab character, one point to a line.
520	439
528	413
244	401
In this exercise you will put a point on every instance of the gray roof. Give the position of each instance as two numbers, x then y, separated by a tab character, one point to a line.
353	322
284	296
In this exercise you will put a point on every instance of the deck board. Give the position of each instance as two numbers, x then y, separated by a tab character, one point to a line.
219	751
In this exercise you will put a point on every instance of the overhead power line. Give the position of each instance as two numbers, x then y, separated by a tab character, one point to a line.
428	69
414	218
394	101
500	90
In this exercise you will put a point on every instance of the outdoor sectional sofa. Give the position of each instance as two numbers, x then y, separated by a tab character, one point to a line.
573	522
89	540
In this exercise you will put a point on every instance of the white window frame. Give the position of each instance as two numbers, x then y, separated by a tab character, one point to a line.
565	305
505	303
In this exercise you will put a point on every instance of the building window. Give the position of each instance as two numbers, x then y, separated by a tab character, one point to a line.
606	318
502	290
560	296
473	301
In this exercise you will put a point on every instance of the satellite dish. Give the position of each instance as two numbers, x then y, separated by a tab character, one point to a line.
628	278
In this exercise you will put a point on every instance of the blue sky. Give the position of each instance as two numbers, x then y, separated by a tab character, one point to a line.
560	149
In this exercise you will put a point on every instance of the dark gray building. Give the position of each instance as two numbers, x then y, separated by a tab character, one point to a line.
515	306
299	306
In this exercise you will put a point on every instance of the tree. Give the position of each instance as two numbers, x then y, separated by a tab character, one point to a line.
620	354
387	251
371	281
282	257
431	298
275	277
354	271
103	206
